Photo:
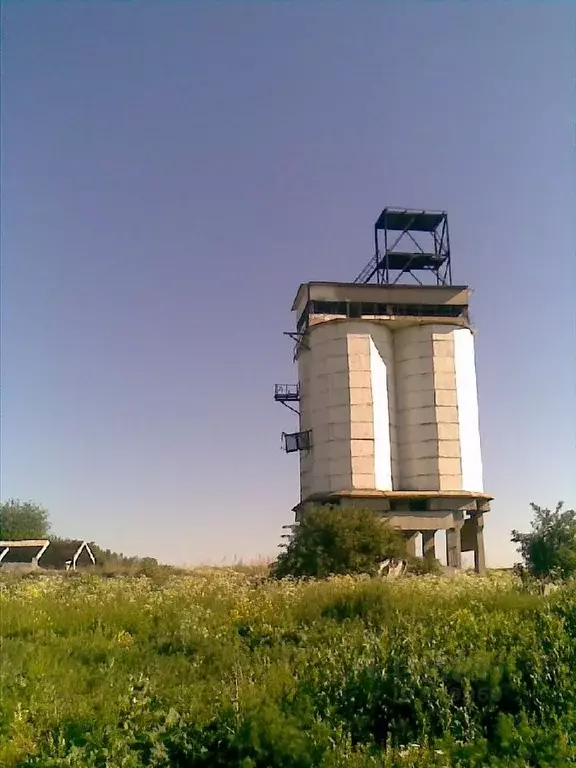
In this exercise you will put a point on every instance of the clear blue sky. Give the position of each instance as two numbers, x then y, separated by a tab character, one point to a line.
173	171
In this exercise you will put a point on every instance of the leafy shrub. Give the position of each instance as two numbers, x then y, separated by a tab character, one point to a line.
337	540
421	566
549	550
23	520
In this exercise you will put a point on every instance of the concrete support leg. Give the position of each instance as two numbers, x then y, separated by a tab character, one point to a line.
479	554
428	545
411	537
453	548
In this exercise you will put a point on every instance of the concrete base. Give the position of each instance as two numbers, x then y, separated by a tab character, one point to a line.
453	548
459	513
411	539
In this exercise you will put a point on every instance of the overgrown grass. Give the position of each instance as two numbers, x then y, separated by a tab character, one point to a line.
222	667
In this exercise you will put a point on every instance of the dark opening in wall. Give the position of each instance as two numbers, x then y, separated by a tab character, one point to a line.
427	310
358	309
303	320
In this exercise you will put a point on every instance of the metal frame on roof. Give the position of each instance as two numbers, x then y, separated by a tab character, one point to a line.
416	242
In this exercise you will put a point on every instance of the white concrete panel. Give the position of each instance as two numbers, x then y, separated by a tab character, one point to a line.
448	431
361	430
362	482
468	422
362	448
444	364
447	414
360	413
446	397
451	482
381	420
362	396
358	362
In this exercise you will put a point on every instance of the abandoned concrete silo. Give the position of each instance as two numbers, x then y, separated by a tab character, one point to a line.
386	392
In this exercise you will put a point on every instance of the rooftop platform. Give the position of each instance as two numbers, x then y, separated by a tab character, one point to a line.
404	219
402	261
397	294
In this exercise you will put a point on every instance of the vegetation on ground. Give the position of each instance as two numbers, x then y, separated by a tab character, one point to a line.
229	667
224	668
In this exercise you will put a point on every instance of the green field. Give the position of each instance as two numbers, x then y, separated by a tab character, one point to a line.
224	668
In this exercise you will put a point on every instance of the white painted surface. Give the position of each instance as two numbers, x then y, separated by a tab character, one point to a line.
414	374
381	418
324	404
468	421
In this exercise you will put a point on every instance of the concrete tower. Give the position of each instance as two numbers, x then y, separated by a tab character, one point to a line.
386	391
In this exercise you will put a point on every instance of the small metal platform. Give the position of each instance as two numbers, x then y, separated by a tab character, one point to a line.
414	242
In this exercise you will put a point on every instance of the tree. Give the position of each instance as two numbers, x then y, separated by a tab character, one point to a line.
549	551
334	540
23	520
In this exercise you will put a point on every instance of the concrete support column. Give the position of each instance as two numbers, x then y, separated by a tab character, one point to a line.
453	548
479	554
411	537
428	545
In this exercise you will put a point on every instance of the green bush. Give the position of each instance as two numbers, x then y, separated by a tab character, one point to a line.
337	540
549	550
23	520
421	566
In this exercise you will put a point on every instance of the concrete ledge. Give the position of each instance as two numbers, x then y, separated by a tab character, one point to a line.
422	521
440	503
370	493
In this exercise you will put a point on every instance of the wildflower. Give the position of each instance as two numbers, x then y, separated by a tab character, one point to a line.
124	639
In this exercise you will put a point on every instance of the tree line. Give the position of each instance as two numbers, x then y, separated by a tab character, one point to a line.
331	540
